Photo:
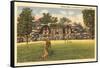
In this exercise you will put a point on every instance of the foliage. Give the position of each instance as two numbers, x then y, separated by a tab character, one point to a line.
47	18
64	19
89	20
24	25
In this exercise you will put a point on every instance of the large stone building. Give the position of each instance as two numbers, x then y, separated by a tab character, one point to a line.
70	31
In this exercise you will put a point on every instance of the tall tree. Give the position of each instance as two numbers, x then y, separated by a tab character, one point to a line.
64	19
54	19
47	18
24	26
89	20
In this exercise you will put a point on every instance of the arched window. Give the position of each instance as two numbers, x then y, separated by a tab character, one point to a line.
45	30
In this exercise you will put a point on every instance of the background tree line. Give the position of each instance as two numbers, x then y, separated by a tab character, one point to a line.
25	21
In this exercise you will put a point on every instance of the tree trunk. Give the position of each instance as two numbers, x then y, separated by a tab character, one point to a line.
27	39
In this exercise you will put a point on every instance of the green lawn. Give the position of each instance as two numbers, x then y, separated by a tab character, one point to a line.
79	49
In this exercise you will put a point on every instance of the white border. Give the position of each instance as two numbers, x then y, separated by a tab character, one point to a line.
49	6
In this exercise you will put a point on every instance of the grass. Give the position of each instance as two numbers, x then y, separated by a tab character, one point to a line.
74	49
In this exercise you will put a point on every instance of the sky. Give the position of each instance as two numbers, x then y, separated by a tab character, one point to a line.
75	15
